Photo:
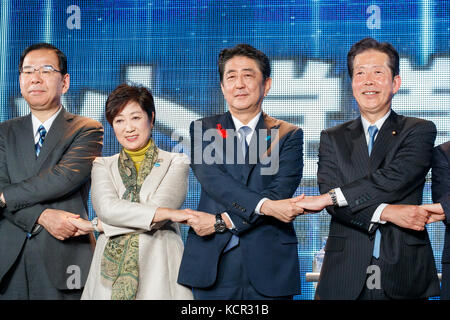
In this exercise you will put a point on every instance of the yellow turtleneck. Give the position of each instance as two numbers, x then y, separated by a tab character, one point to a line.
138	156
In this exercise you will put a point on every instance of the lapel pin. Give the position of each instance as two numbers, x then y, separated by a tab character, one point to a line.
158	162
394	132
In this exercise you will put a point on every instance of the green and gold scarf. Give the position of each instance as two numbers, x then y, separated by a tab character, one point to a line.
120	260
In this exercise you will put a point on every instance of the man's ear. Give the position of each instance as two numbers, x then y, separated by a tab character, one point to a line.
66	83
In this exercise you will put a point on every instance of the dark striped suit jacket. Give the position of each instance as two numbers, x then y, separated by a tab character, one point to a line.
394	174
441	193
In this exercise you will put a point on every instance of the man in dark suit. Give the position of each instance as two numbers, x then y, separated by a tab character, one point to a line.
45	165
440	210
242	244
371	174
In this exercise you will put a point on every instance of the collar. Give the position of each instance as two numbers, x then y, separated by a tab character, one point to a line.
251	124
47	123
379	123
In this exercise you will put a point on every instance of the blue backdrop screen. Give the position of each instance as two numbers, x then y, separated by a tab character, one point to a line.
172	48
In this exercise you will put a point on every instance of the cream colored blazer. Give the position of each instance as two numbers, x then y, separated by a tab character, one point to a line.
160	244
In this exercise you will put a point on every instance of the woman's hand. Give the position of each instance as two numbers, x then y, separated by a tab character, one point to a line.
84	226
174	215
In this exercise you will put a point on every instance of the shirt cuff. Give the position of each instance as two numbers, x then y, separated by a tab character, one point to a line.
232	224
258	207
377	214
342	202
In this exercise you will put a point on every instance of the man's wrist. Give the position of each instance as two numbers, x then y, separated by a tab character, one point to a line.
227	219
266	207
384	216
259	205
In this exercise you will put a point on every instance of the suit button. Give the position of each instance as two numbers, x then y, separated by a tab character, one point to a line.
243	209
244	222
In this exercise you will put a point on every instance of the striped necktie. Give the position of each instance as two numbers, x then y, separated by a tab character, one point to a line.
38	145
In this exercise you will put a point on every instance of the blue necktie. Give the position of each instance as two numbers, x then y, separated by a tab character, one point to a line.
244	132
376	248
38	145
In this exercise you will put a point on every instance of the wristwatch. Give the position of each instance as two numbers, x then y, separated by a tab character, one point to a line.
220	225
95	224
332	194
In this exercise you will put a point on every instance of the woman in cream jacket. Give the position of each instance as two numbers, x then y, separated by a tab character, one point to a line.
139	249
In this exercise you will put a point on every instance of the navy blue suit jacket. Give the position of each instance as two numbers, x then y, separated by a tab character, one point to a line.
269	245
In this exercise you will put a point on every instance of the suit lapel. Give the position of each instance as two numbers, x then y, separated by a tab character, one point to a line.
56	132
231	140
356	141
151	182
386	137
25	145
254	149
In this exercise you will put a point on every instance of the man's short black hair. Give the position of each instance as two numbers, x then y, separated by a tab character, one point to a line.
244	50
62	59
372	44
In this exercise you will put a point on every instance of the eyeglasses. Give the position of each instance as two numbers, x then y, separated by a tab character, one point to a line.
44	71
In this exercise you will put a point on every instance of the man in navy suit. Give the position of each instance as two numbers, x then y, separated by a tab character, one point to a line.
242	243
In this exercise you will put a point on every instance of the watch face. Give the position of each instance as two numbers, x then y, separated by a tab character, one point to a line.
220	225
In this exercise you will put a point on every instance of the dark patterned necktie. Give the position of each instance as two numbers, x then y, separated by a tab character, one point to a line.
38	145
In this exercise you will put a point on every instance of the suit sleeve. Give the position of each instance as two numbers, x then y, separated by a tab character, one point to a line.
66	176
395	180
441	180
328	175
122	216
238	199
388	184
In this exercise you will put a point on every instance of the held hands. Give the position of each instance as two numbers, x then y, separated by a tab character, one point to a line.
283	210
85	226
57	223
312	204
202	222
436	212
412	216
287	210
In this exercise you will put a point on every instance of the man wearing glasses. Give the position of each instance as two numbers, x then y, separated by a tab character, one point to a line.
45	165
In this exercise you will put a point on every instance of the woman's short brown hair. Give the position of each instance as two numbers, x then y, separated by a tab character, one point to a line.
125	93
